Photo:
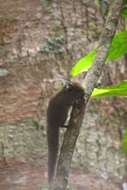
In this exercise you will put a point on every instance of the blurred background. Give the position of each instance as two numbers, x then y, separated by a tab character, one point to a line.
40	40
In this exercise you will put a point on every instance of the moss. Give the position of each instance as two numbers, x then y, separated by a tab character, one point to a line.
54	45
7	19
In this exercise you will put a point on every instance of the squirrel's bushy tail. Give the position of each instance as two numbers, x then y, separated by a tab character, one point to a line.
53	144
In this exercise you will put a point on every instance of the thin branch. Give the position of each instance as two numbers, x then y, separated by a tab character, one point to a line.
103	46
91	79
63	24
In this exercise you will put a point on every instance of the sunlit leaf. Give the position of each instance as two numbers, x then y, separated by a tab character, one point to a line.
84	63
117	50
118	47
114	90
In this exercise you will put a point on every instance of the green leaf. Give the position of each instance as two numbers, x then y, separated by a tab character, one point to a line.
114	90
84	63
124	12
124	142
118	47
117	50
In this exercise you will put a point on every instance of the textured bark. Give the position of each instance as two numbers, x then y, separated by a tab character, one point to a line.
92	77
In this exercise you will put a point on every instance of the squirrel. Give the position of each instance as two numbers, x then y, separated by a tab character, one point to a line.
57	114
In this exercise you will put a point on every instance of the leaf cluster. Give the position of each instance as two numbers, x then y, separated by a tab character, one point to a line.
117	50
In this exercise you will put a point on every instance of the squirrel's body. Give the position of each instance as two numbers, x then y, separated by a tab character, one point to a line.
56	116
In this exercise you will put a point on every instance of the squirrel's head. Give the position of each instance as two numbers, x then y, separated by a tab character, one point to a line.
74	90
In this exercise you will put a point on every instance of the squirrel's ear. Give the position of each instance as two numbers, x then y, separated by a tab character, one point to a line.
68	85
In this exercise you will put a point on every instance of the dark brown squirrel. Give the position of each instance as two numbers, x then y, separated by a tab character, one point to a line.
57	113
